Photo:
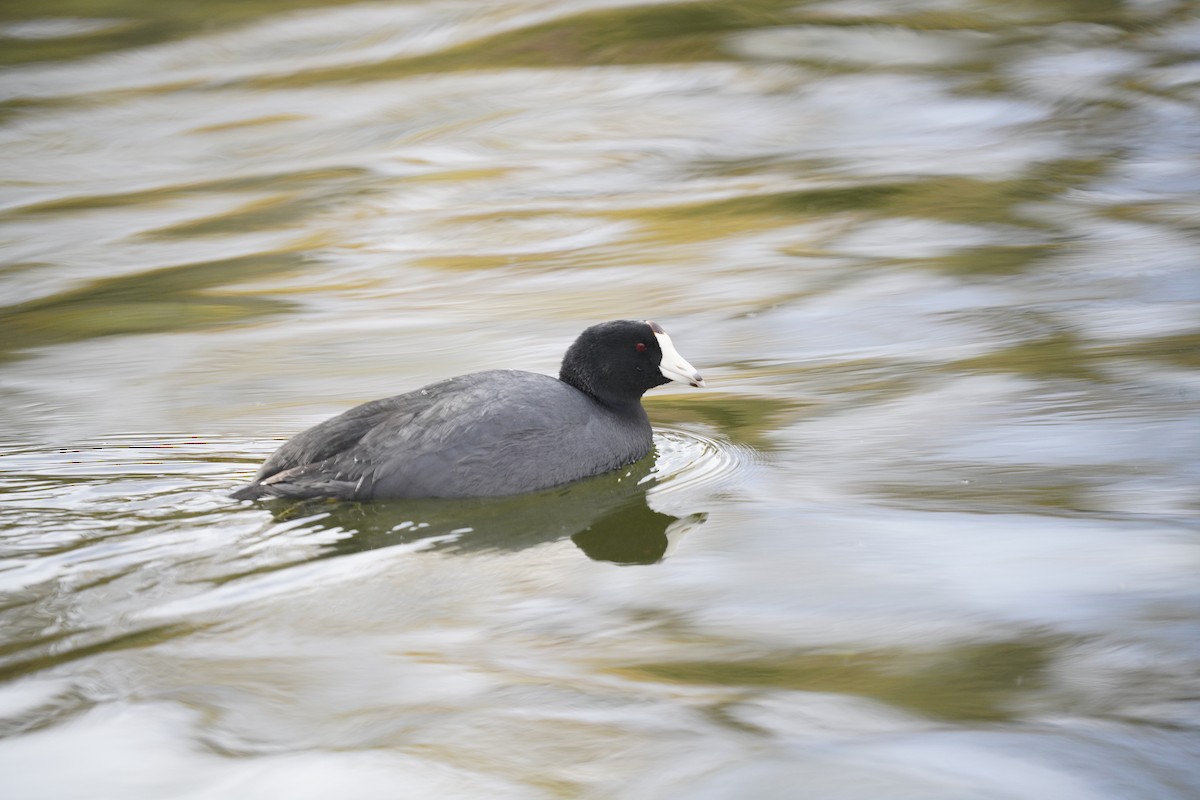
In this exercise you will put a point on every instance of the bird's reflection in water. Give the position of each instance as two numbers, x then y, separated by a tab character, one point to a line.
608	517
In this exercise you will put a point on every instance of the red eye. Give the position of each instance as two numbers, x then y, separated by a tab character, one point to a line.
640	347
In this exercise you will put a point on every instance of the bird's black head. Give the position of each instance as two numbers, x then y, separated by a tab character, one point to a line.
616	362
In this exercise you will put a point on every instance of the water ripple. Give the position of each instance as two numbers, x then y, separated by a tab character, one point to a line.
691	464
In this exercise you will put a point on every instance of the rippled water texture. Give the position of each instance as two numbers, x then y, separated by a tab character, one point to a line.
930	533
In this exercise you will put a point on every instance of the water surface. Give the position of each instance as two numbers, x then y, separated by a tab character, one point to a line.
931	532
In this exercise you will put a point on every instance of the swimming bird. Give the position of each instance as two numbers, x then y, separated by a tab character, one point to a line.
487	434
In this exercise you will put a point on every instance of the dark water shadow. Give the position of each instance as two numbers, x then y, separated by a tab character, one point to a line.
607	517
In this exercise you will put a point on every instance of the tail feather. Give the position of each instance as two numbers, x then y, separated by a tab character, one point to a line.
306	490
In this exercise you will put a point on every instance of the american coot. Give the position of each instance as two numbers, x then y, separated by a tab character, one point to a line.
489	433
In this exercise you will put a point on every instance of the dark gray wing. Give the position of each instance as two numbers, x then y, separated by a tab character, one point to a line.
486	434
300	467
334	435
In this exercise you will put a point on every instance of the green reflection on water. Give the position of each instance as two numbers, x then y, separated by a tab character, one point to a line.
1180	349
969	682
998	260
134	24
97	643
743	419
169	299
1059	355
974	200
1064	355
1005	489
274	212
945	199
348	180
675	33
719	218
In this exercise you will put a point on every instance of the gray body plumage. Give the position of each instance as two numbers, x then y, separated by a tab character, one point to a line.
485	434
